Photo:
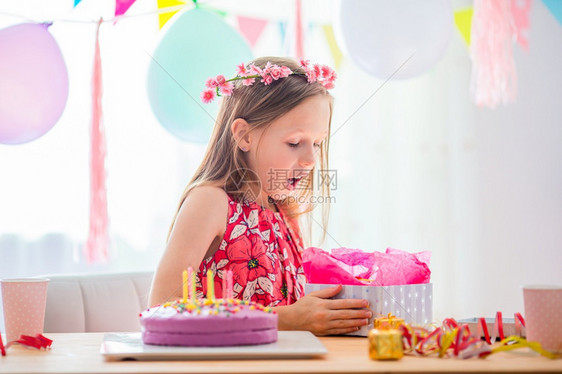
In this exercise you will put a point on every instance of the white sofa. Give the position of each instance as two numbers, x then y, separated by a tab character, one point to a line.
96	302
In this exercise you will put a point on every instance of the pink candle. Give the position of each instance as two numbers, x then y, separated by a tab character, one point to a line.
191	283
229	285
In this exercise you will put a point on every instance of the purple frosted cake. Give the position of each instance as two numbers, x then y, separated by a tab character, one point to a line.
208	323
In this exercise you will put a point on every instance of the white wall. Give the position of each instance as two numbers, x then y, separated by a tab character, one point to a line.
520	175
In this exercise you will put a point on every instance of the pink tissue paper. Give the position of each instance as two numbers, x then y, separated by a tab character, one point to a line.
395	282
349	266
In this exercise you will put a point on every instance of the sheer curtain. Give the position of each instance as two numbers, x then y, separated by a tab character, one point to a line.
44	189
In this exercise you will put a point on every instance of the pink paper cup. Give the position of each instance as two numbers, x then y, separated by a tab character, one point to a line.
543	316
24	303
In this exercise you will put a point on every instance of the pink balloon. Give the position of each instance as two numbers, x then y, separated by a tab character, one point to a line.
33	83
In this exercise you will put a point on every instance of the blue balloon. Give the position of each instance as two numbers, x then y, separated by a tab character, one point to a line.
555	7
197	45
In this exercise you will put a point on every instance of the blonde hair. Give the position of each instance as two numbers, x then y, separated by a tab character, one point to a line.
259	105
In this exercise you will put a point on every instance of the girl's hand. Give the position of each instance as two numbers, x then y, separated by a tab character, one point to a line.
320	315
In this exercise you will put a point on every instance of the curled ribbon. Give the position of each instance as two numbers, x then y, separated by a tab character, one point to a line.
38	341
514	342
2	349
449	339
498	327
454	339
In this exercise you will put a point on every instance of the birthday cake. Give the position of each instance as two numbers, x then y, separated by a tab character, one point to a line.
208	322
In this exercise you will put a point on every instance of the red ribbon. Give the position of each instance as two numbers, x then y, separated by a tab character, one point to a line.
38	341
499	321
483	327
2	349
519	324
498	327
455	339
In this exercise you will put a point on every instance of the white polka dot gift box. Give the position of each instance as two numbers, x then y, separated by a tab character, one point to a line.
411	302
395	281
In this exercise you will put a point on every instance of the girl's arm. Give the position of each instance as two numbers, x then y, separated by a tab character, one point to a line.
317	313
201	218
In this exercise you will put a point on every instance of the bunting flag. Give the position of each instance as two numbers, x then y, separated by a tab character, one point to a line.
283	31
520	11
555	7
251	28
121	6
98	236
463	21
334	49
76	2
164	17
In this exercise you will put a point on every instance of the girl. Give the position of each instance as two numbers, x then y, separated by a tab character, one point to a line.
240	210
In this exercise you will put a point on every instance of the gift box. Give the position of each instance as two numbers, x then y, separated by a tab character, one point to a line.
411	302
395	282
385	344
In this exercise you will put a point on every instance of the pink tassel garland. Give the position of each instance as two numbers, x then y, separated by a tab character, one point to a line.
496	25
98	239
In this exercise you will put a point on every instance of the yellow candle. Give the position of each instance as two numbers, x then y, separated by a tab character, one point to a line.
184	286
192	291
210	285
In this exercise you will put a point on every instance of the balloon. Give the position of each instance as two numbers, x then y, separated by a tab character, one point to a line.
381	35
33	83
555	7
196	46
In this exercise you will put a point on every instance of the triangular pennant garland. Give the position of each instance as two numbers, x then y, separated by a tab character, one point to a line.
251	28
283	31
121	6
334	49
463	21
555	7
164	17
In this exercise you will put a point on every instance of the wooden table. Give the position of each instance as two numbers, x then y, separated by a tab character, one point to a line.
79	353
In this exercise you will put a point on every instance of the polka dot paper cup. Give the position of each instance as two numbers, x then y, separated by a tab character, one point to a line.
543	316
24	303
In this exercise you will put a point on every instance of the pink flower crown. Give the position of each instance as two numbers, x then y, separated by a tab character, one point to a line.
220	86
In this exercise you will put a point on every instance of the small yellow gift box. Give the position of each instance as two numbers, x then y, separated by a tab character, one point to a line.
385	344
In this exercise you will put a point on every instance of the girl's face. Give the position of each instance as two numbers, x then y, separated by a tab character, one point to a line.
285	152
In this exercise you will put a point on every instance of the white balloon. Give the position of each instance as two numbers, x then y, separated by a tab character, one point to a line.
394	38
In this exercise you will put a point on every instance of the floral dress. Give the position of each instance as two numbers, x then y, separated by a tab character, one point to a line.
264	254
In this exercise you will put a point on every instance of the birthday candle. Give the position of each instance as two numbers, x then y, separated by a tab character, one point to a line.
191	283
210	285
229	286
184	276
224	286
